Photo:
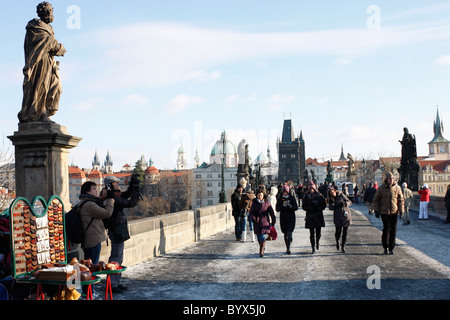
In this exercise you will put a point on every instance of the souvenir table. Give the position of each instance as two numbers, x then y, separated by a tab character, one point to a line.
108	290
37	232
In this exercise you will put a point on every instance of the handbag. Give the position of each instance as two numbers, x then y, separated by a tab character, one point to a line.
272	233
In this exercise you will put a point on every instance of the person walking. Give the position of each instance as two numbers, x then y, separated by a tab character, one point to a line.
238	215
447	203
287	206
388	203
368	197
342	216
263	217
424	200
314	203
117	224
407	196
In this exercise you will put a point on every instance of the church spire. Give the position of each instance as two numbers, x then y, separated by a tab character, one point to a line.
342	156
438	129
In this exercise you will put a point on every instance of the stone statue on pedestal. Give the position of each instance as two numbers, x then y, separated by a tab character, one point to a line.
41	145
41	85
409	165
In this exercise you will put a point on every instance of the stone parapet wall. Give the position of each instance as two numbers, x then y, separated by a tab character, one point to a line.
153	236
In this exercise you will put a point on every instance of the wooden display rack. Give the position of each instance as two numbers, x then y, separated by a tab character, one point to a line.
37	234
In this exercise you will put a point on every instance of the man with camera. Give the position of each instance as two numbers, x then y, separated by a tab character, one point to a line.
424	200
117	224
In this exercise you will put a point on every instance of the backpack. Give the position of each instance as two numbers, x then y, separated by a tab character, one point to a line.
74	228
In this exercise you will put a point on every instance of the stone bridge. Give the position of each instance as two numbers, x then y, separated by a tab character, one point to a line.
194	256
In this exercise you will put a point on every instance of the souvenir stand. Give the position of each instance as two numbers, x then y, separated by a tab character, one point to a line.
108	291
38	245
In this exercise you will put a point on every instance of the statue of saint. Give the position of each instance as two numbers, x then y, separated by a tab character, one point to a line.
409	151
351	163
41	85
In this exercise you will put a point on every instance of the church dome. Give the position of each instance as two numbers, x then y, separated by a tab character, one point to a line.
230	148
152	170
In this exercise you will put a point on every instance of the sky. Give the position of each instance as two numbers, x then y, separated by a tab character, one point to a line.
145	77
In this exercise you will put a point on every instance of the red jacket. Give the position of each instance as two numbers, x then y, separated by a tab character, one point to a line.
425	195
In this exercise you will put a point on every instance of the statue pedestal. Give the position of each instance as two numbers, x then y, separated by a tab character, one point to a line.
41	159
351	177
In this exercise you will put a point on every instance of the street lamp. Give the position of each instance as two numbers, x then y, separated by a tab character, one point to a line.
222	195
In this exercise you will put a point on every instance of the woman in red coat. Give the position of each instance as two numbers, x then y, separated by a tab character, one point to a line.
424	199
262	215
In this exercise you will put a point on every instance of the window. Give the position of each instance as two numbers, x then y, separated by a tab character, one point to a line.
210	193
198	176
210	202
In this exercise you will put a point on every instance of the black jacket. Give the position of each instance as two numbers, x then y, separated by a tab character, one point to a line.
314	204
117	225
287	208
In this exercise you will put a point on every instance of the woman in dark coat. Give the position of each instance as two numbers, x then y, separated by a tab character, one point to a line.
342	216
262	215
447	203
287	205
314	203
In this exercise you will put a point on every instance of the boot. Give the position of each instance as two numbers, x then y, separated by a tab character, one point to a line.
244	234
344	239
337	245
253	237
317	244
312	246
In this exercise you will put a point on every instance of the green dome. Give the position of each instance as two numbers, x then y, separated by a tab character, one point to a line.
230	148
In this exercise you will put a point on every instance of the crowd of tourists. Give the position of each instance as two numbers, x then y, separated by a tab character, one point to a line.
256	211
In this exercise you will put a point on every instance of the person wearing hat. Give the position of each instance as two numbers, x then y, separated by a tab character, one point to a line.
424	200
314	203
287	206
407	196
117	224
388	203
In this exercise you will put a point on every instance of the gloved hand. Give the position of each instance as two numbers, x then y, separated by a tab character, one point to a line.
377	214
110	194
134	181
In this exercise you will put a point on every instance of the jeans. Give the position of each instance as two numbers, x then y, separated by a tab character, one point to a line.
93	253
262	237
389	230
423	210
240	225
116	256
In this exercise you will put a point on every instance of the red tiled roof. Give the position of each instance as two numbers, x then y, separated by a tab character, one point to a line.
75	172
438	165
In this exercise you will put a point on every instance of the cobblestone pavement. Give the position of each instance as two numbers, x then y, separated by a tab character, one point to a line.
219	268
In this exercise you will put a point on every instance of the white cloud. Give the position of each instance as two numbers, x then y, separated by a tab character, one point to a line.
87	105
135	100
443	60
159	54
343	61
181	102
203	75
232	98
